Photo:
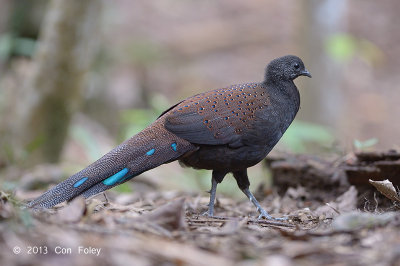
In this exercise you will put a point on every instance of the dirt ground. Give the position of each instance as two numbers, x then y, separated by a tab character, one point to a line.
334	217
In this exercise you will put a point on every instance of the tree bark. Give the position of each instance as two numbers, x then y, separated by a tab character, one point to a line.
62	62
321	19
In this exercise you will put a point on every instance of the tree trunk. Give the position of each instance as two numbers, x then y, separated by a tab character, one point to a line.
322	96
66	49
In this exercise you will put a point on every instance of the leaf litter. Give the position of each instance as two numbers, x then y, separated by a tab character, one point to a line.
326	224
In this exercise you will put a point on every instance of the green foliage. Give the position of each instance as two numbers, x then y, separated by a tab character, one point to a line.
15	213
9	45
6	44
83	136
135	120
365	145
343	46
7	153
8	186
159	103
25	217
123	188
144	52
24	46
302	136
21	156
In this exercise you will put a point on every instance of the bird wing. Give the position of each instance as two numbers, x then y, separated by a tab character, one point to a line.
209	129
216	117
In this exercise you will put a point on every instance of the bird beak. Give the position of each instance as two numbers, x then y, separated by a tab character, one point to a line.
305	73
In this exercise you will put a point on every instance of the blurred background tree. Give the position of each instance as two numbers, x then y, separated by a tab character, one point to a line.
101	71
53	90
324	19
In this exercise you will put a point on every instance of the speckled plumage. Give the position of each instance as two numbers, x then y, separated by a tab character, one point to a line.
224	130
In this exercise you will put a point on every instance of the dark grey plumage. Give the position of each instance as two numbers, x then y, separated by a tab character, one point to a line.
224	130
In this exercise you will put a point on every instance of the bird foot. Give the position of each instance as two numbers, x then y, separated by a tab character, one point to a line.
264	215
208	214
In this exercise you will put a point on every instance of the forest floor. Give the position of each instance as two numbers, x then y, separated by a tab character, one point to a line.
334	217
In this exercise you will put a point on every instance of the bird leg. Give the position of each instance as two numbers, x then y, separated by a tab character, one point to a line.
263	213
213	192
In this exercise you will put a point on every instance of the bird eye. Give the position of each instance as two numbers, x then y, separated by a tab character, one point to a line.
296	66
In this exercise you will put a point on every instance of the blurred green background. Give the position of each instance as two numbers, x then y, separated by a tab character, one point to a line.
79	77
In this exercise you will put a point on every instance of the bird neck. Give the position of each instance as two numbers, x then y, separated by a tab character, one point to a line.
283	90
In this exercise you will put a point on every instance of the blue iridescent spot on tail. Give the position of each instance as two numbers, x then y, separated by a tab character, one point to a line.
80	182
151	152
174	146
112	180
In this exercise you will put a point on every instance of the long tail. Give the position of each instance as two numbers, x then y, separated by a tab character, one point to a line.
146	150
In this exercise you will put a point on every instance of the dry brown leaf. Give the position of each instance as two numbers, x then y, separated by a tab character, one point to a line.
386	188
356	220
344	203
73	212
171	216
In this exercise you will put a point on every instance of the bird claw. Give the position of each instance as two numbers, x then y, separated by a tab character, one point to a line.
265	215
208	214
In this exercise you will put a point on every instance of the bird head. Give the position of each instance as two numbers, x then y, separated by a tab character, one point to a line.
285	68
